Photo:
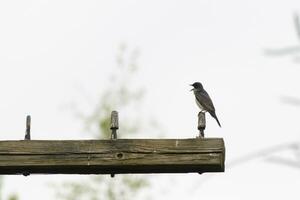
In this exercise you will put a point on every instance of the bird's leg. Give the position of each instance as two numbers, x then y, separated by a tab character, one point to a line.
201	111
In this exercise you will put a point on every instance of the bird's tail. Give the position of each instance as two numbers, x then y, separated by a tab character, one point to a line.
213	114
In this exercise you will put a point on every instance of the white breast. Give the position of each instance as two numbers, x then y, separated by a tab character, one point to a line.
200	106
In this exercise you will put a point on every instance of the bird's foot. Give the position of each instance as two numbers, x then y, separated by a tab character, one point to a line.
201	112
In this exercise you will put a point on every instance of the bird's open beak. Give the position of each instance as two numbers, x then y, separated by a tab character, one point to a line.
192	88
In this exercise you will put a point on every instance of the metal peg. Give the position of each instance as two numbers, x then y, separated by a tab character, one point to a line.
201	124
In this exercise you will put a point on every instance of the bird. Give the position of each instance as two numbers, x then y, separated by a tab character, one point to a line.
203	100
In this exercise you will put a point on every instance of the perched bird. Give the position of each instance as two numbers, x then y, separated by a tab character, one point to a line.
203	100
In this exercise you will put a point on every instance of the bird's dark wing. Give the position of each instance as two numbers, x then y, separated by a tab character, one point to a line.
204	99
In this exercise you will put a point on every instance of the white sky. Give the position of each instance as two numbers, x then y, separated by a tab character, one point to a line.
50	51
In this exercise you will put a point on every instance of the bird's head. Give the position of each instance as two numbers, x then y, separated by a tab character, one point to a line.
196	85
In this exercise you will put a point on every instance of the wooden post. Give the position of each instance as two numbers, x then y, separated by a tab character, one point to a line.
112	156
201	124
114	124
27	136
28	126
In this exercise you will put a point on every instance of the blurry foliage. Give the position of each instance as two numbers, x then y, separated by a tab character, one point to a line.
11	196
102	187
1	185
120	95
294	50
293	147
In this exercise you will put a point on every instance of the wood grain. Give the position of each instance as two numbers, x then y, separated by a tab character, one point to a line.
112	156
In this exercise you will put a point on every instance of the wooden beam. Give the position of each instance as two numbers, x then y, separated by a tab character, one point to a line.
112	156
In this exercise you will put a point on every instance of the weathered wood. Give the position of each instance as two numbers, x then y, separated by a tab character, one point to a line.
201	124
28	125
114	124
112	156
